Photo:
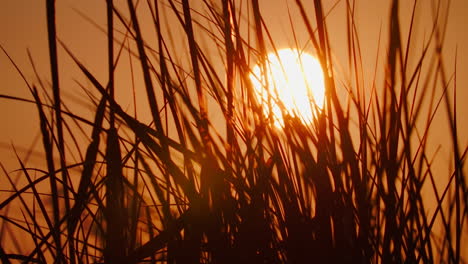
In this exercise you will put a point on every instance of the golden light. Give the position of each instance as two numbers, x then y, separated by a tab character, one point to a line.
293	84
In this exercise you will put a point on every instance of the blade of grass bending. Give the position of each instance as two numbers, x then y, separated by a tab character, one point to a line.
43	211
76	117
169	97
36	227
22	190
166	156
63	111
35	182
18	193
194	57
51	168
143	132
82	195
140	129
460	183
146	71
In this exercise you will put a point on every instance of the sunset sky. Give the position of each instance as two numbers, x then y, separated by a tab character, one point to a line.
355	128
23	26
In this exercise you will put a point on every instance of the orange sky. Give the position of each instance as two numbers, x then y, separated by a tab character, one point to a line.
23	26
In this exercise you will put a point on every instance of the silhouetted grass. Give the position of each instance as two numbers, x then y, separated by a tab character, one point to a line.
348	188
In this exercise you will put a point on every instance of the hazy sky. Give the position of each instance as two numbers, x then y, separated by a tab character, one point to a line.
23	26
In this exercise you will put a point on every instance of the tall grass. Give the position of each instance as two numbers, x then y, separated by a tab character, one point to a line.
186	188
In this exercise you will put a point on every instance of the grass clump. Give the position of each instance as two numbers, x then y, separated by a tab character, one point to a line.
210	179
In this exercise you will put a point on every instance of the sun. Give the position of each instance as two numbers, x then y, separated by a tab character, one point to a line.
292	84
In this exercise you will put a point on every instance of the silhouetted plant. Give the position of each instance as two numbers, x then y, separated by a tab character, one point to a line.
187	189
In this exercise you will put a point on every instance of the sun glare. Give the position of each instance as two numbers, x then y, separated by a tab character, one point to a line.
292	84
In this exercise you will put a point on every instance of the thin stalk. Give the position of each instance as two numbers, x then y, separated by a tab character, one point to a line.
50	7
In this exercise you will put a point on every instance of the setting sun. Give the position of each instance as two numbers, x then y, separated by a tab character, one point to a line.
293	82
